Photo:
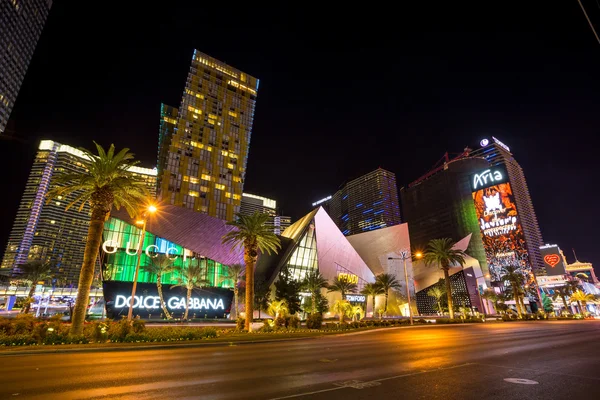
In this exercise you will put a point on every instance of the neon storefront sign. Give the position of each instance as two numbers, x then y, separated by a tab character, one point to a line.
112	246
174	303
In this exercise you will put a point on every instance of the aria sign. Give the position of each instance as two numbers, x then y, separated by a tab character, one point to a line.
489	177
174	303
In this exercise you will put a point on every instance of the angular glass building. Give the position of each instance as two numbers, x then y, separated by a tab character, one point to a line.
203	144
21	24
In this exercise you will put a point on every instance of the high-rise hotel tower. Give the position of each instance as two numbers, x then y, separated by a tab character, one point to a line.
203	145
21	24
44	230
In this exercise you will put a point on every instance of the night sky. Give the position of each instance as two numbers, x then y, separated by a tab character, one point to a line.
342	92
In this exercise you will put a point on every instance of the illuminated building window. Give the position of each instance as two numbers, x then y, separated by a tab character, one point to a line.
216	66
195	116
196	144
228	195
237	179
233	114
230	165
219	186
211	121
242	87
237	197
193	193
192	93
194	180
186	178
206	177
170	120
194	110
203	188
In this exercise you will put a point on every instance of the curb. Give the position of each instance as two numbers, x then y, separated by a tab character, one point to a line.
161	346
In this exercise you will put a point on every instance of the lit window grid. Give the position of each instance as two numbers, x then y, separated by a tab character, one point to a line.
304	257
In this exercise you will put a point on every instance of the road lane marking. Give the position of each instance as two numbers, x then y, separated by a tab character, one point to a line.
521	381
539	371
374	382
356	384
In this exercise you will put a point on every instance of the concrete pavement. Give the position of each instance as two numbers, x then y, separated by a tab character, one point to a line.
549	360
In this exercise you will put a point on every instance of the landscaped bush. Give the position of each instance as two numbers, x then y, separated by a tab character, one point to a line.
314	321
17	340
293	322
280	322
138	326
23	324
240	324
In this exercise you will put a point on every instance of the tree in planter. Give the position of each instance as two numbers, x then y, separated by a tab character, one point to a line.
288	289
278	308
313	283
159	265
106	182
191	277
441	252
262	295
371	290
437	293
33	272
342	308
357	310
234	274
582	299
252	233
491	295
321	304
563	292
343	286
547	303
387	282
515	278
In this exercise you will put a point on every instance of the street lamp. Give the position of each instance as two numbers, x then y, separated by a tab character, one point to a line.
151	209
405	255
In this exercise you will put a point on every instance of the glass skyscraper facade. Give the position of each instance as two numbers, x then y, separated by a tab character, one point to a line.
366	203
204	148
43	230
21	24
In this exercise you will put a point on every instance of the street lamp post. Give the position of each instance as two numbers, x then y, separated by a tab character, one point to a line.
405	255
151	209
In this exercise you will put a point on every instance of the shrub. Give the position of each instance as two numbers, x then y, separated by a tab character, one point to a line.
23	324
17	340
280	322
6	326
97	331
314	321
421	321
119	330
293	321
138	326
240	324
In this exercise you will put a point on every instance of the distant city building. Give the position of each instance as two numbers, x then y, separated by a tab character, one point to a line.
440	205
204	143
21	24
505	212
366	203
45	231
252	203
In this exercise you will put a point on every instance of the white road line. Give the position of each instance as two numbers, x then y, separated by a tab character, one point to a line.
374	380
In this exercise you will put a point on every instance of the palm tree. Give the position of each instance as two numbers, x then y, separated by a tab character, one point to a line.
106	182
191	277
343	286
357	310
441	252
515	278
34	271
342	308
313	283
582	298
252	233
159	265
373	290
491	295
278	308
234	273
437	293
562	292
387	282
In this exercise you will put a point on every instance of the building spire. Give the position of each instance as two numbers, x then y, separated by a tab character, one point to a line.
575	255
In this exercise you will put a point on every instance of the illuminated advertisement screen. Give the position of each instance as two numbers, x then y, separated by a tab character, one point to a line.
553	261
499	222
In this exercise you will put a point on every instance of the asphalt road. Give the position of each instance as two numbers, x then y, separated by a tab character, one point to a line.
549	360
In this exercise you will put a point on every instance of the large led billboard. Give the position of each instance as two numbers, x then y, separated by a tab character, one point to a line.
553	260
499	222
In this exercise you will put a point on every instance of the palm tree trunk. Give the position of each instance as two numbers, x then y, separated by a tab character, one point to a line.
86	275
518	305
579	307
160	294
386	303
236	300
187	302
314	303
564	300
439	303
584	309
449	292
29	299
249	261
